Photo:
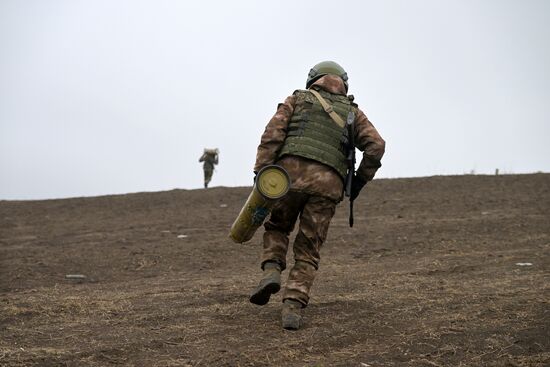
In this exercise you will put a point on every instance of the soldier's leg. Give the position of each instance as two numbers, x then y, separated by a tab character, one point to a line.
278	227
207	176
314	223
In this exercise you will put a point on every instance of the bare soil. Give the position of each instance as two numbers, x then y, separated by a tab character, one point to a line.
430	275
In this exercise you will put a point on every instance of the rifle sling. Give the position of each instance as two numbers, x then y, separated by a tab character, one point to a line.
328	109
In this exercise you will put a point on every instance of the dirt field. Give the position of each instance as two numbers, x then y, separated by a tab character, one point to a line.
429	276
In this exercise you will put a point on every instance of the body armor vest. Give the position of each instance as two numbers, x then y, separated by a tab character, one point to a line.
314	135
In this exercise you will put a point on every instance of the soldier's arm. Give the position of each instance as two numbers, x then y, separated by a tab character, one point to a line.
201	159
275	134
371	144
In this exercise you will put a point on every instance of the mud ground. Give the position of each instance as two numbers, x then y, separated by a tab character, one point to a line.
428	276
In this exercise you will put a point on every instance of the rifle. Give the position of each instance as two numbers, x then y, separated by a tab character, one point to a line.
351	162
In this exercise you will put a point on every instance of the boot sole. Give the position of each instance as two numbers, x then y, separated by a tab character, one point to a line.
292	322
261	296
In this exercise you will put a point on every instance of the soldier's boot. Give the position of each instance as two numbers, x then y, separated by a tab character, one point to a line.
270	284
291	314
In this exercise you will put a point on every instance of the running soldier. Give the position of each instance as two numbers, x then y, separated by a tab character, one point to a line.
309	136
210	159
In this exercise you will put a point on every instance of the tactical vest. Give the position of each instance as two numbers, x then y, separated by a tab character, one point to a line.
210	159
313	134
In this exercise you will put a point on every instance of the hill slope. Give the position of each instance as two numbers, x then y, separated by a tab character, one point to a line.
428	276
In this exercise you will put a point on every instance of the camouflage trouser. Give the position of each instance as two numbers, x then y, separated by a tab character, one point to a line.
207	175
315	214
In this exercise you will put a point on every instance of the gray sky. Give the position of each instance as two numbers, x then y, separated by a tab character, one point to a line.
100	97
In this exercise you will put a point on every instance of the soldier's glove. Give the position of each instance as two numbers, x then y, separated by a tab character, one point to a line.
356	185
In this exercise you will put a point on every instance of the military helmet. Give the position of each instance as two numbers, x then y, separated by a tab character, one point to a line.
324	68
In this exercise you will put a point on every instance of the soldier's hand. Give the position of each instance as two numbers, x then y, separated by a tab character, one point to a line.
356	185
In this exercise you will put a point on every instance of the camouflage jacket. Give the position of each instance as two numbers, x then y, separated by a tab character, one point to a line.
311	176
209	160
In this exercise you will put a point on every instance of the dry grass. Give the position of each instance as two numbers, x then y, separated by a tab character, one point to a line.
427	278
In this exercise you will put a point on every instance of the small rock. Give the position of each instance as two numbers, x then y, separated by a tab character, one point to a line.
524	264
223	205
182	236
75	276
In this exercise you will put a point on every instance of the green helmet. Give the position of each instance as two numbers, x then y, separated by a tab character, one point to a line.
324	68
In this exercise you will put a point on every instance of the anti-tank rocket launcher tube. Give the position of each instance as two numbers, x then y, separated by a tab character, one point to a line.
272	183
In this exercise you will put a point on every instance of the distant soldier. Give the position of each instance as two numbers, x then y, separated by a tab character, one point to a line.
313	135
210	159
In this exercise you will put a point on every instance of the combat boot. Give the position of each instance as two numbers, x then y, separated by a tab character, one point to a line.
292	314
270	284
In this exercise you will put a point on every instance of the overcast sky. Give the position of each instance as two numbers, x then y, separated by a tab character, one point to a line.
102	97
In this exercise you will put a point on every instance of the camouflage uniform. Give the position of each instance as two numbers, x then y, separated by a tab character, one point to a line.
315	190
210	159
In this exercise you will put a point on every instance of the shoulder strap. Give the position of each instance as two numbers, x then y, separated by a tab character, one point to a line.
328	109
